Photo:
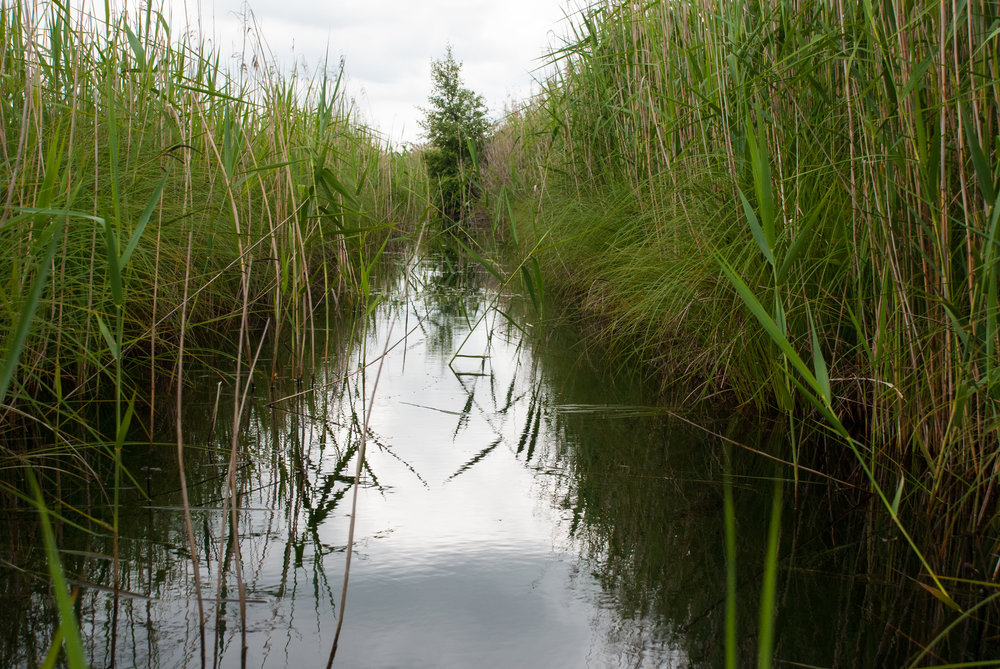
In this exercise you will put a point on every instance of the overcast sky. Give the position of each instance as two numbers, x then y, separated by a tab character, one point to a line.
388	45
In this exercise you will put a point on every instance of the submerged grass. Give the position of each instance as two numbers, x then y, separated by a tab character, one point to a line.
792	207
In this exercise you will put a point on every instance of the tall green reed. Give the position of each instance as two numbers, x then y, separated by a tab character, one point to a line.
847	179
126	147
792	205
139	140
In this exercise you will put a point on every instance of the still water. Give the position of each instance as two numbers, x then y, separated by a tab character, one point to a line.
517	508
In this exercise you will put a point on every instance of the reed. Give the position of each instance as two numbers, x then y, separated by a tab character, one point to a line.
792	206
119	143
157	206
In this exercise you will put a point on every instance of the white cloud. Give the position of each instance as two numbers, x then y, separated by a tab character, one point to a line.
388	45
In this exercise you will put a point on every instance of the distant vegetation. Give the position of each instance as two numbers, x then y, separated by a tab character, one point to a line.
791	208
455	124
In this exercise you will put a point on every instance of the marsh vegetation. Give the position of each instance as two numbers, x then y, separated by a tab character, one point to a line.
791	208
229	311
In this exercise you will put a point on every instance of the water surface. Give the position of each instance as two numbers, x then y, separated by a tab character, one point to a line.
518	508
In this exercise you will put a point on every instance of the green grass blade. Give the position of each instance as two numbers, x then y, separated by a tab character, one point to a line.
328	179
74	645
108	338
984	175
529	286
137	49
765	639
761	166
50	211
114	269
898	497
801	242
929	648
15	345
819	364
770	326
758	232
729	514
52	657
487	265
140	226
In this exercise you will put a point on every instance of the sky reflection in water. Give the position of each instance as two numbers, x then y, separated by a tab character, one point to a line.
465	560
464	554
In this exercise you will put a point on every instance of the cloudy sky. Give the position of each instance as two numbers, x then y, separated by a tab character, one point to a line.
388	45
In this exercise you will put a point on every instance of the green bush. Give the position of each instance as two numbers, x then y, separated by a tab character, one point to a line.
456	126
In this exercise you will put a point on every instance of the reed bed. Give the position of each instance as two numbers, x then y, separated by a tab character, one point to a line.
119	142
157	207
792	206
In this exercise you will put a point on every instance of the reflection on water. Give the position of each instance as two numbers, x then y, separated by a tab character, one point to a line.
517	509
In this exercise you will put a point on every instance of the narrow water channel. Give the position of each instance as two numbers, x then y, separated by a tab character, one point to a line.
518	508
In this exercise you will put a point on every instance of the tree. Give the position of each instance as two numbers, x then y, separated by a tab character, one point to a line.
455	125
